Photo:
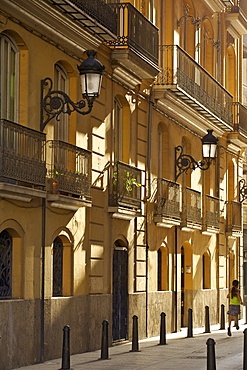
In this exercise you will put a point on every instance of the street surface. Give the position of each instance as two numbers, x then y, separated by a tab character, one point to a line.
179	353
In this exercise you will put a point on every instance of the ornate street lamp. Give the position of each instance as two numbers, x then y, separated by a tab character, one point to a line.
185	162
242	190
56	102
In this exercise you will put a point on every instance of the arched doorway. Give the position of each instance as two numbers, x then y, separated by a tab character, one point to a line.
120	291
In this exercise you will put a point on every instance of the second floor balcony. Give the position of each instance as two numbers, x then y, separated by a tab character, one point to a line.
191	210
22	162
136	46
167	203
239	113
236	13
183	76
69	175
95	15
233	218
124	190
211	215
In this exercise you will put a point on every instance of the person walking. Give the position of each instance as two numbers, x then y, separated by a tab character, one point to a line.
234	307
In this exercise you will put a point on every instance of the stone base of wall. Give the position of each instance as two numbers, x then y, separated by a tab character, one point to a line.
21	322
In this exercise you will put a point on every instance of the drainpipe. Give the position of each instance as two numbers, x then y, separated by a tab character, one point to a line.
148	194
217	235
42	301
176	280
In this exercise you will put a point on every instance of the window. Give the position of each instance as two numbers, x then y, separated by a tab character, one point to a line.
9	59
62	267
5	265
61	82
118	130
57	267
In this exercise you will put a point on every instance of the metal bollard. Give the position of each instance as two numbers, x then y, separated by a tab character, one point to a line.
211	364
104	342
222	318
190	323
163	328
207	320
135	343
245	350
66	348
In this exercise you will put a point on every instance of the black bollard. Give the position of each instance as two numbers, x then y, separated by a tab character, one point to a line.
66	348
190	323
222	318
211	364
207	320
104	342
163	328
135	343
245	349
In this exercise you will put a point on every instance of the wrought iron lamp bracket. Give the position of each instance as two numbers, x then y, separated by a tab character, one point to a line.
242	190
194	21
56	102
185	162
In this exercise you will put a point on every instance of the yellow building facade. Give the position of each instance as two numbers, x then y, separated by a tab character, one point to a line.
99	216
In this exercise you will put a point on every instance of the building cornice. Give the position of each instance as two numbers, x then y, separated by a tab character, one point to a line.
51	25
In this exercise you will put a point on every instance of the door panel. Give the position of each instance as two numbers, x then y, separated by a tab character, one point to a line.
120	295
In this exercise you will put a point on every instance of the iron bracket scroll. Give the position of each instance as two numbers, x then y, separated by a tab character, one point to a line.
185	162
56	102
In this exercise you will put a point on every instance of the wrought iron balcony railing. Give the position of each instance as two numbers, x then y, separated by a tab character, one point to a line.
240	118
124	186
183	75
135	32
95	14
233	216
167	199
211	212
69	169
22	155
191	206
238	6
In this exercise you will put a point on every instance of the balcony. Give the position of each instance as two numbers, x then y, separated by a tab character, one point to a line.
191	210
136	46
124	191
233	218
211	215
69	175
167	204
22	162
239	114
237	15
183	76
95	15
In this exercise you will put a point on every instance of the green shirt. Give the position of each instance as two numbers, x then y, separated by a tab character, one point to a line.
235	300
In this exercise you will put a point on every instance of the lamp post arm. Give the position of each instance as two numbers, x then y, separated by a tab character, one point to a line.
185	162
242	190
56	102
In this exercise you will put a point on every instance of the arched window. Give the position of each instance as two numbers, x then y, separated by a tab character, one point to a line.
57	267
187	24
163	151
5	265
9	77
162	268
207	47
61	82
206	271
62	267
118	130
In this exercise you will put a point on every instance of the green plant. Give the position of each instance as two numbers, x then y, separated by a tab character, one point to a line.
130	182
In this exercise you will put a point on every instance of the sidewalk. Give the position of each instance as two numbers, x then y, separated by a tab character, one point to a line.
179	353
